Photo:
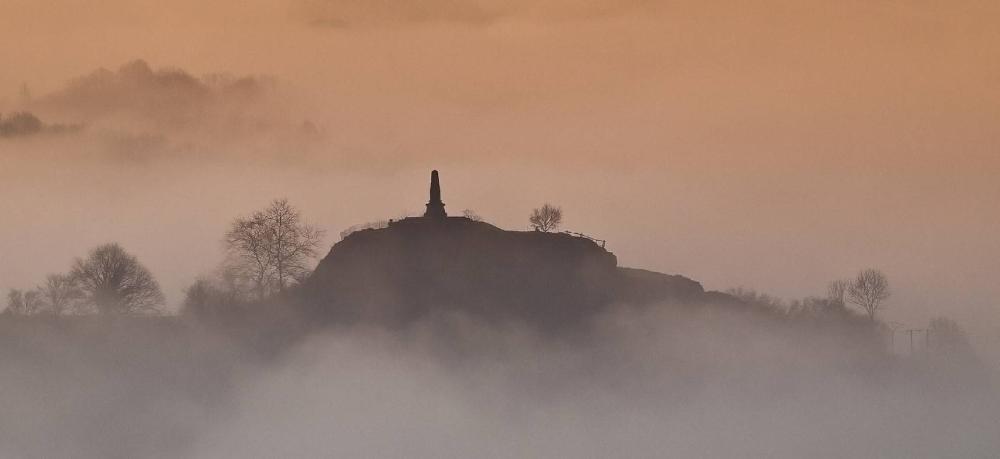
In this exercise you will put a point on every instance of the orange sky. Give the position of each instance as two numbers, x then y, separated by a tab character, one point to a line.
773	144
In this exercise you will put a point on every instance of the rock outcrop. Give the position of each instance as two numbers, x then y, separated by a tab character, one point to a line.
423	266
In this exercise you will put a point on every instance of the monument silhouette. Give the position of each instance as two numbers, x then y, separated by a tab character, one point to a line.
435	208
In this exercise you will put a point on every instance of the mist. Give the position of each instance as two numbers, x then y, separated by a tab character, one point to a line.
771	147
682	389
673	379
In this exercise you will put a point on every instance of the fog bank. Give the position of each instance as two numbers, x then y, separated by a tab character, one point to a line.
687	382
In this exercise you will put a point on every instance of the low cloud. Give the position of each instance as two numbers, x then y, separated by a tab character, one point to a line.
140	96
139	112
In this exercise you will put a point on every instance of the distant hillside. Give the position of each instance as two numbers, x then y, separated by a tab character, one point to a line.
423	266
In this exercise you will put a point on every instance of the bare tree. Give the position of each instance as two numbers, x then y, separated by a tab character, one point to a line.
547	218
247	257
114	282
23	303
60	293
836	291
292	243
472	215
15	302
868	290
272	248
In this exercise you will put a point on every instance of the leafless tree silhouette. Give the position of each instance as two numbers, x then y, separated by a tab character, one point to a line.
547	218
114	282
868	290
272	248
247	257
60	293
23	303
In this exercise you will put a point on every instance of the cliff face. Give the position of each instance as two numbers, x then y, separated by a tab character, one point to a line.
422	266
639	286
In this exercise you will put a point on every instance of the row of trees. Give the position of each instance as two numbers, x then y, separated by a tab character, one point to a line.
19	124
108	281
272	249
265	253
867	291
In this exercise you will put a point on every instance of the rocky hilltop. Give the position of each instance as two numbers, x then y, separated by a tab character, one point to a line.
427	265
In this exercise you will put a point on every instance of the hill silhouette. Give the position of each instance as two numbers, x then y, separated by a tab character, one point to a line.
421	266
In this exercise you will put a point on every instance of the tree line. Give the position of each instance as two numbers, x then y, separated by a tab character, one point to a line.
274	249
867	291
265	253
858	300
109	280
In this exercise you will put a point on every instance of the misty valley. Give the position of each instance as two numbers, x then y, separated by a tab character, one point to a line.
548	229
437	335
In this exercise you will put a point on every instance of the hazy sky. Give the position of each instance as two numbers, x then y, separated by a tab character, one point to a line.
773	144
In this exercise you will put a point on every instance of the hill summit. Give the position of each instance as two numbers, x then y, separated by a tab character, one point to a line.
421	266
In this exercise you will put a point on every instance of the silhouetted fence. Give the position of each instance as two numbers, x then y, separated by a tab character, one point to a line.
600	242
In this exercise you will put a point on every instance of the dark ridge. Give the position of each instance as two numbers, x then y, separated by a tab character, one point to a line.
422	266
418	266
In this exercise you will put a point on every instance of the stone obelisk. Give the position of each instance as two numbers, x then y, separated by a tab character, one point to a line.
435	208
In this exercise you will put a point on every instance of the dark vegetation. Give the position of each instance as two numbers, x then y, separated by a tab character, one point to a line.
546	218
19	124
109	281
26	124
